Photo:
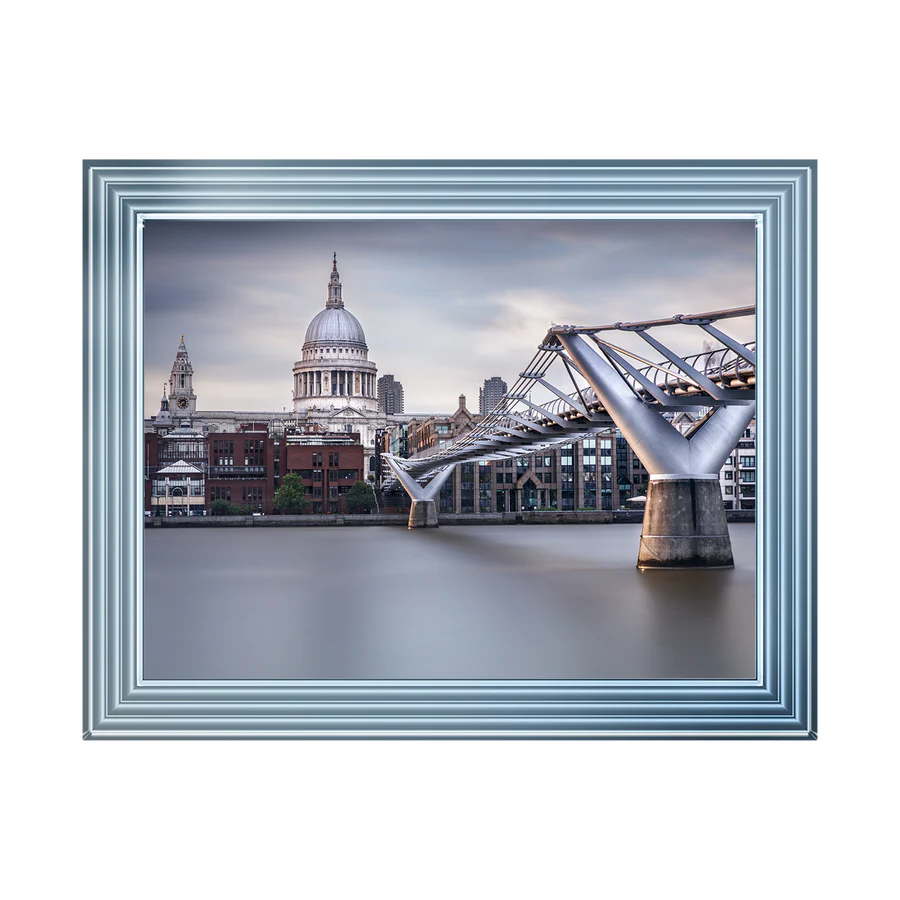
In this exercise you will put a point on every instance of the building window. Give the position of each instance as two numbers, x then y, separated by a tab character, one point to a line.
446	495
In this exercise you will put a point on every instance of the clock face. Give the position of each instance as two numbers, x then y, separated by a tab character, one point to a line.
182	402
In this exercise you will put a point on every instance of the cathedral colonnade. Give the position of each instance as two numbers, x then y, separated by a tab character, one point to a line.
335	382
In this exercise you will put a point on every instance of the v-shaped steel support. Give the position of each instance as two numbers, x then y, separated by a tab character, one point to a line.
684	516
662	449
423	511
412	487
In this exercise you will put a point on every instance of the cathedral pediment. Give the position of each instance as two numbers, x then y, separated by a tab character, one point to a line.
347	412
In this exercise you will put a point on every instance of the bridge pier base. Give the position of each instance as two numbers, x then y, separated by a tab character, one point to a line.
423	508
423	514
685	525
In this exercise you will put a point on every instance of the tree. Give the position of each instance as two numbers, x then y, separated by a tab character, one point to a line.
226	508
361	497
291	496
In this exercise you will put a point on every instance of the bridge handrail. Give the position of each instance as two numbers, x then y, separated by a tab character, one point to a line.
681	319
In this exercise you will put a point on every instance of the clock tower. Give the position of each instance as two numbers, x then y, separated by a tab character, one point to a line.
182	399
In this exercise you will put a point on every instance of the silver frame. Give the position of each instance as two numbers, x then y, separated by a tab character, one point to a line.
120	195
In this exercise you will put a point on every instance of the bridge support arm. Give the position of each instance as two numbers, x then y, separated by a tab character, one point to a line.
684	516
659	446
423	509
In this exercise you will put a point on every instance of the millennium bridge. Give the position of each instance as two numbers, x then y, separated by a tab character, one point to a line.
590	379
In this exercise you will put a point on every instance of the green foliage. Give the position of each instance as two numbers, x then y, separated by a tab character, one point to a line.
291	496
361	497
226	508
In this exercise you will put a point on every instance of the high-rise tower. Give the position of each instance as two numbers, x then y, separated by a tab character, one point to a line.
390	395
491	394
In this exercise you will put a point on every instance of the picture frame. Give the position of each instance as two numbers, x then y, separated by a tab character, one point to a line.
120	195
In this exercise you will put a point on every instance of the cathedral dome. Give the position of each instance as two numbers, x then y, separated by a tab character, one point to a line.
335	371
334	325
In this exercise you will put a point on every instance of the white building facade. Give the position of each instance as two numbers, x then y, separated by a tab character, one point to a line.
738	475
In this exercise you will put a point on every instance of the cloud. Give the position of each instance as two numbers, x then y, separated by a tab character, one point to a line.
445	304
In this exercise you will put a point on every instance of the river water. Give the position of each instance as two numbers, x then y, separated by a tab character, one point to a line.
457	602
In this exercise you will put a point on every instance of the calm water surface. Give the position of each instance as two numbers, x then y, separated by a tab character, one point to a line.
458	602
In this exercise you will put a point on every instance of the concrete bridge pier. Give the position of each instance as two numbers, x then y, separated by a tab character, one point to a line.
423	510
684	525
684	516
423	514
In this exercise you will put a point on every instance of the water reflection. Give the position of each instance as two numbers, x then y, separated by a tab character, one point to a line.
494	602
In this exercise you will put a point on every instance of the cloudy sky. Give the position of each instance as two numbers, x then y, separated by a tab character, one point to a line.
444	304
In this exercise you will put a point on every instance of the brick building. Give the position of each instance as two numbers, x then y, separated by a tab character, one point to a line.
186	471
435	431
329	464
242	468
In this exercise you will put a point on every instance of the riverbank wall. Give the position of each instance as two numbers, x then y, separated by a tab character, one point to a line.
543	517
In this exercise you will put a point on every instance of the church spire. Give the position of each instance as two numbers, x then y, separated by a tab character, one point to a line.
181	389
334	287
163	419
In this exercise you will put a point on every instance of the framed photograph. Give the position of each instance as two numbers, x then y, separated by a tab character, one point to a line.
449	449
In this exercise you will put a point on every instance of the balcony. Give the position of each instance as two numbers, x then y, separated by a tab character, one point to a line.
237	472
